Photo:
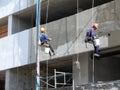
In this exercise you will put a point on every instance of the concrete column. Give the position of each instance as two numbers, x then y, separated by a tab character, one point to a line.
80	69
7	79
10	24
19	79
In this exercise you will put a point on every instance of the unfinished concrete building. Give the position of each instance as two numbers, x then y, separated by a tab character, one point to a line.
73	67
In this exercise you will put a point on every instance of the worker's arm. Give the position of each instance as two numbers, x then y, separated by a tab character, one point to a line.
47	38
92	34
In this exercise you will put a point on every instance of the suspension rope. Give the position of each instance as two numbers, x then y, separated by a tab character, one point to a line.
92	11
47	16
18	25
47	73
47	13
93	61
77	61
93	71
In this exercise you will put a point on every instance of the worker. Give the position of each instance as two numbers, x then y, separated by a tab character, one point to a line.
45	40
90	36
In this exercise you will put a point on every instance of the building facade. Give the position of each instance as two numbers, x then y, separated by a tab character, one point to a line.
66	21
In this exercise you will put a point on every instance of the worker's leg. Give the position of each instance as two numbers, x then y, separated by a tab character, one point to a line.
96	49
50	53
51	49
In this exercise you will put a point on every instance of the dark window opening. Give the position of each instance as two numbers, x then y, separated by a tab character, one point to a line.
2	85
107	67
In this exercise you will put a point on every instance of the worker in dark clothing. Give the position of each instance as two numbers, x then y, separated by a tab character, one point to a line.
45	40
90	36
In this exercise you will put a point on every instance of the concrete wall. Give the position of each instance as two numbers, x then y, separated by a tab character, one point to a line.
19	49
19	79
14	50
8	7
67	37
114	38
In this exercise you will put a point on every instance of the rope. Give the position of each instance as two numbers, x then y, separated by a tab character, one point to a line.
18	41
77	61
47	13
92	11
93	79
93	67
17	77
47	73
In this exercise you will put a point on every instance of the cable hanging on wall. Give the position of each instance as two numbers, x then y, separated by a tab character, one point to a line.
18	25
47	13
92	12
77	45
77	41
93	61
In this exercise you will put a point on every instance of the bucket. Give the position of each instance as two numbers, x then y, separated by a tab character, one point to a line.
47	50
97	42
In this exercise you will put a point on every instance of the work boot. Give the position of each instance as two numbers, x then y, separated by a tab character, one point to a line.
53	53
96	54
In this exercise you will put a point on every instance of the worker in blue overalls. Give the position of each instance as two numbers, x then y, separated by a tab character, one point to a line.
45	40
90	36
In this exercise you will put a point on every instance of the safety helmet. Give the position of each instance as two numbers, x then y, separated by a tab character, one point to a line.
42	29
95	25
